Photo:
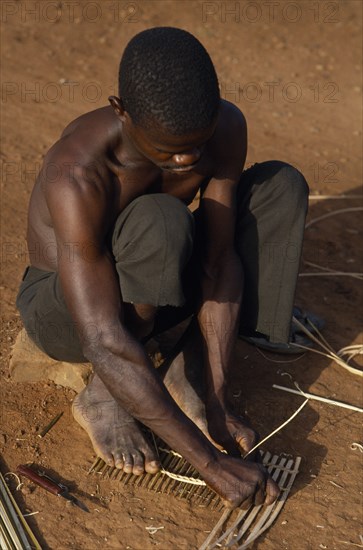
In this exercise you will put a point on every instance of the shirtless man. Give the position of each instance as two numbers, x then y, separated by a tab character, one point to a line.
111	244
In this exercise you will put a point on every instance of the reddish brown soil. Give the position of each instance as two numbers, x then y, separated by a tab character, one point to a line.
311	117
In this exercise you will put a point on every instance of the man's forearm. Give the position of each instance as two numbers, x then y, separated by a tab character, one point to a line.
135	384
218	319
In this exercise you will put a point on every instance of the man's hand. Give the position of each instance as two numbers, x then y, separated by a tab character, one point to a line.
242	483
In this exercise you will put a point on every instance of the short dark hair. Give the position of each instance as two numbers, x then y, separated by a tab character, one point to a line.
166	76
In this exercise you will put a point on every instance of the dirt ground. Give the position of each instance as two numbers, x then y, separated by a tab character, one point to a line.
295	69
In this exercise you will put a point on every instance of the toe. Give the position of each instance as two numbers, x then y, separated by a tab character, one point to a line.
246	439
102	447
138	468
119	460
110	462
128	464
152	466
107	458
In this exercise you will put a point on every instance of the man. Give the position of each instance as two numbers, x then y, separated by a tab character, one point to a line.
116	255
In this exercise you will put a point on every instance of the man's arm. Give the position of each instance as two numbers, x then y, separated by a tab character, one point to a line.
222	284
79	211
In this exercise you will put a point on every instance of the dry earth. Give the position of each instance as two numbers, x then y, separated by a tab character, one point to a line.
295	69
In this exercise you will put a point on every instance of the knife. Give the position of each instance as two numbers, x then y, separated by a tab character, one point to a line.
51	485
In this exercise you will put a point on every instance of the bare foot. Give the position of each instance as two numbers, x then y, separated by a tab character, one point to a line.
233	433
184	381
116	437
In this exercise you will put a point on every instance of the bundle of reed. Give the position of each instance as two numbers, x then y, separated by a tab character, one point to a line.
328	351
15	533
322	270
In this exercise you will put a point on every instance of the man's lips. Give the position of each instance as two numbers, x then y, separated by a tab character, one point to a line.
179	168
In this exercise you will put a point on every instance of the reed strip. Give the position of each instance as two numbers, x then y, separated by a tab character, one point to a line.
319	398
334	213
13	521
270	516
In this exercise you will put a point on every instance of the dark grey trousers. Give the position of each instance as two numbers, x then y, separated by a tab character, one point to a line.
156	244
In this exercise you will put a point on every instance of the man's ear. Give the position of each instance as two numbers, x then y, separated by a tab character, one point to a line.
117	105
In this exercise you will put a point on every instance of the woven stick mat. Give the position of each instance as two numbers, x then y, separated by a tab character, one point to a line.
236	529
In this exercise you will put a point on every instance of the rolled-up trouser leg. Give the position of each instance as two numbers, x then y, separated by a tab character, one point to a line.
152	243
272	206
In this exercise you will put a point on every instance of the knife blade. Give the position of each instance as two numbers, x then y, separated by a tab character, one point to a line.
49	484
74	500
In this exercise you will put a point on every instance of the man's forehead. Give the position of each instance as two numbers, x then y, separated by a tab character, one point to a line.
163	140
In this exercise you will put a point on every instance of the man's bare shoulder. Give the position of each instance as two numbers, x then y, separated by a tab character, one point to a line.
102	118
229	143
232	119
75	191
80	155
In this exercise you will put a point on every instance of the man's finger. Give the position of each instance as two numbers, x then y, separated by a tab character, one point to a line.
260	494
246	441
247	503
272	491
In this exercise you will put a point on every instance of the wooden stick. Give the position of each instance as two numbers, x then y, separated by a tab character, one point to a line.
318	398
50	425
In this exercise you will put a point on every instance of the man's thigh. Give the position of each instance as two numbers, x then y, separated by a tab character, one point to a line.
46	317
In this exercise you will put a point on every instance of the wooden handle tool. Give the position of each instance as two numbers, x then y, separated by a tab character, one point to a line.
52	486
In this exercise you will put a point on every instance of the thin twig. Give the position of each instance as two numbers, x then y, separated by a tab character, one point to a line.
334	213
331	271
351	543
317	331
49	426
17	479
277	429
277	360
344	197
318	398
351	351
330	354
333	274
309	334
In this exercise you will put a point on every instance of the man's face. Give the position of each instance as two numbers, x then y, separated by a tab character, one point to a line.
169	152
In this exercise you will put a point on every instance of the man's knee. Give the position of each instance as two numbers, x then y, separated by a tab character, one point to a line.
291	184
158	225
173	224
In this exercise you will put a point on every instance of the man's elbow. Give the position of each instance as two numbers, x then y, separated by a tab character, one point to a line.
98	346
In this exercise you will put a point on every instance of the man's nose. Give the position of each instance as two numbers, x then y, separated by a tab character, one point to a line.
187	158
